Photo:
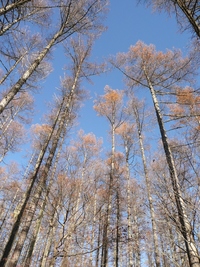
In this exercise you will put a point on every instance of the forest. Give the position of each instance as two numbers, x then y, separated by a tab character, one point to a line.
67	199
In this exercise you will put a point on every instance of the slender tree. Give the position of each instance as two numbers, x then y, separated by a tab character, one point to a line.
136	109
110	105
159	72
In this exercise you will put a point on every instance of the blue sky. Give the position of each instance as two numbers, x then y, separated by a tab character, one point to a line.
127	23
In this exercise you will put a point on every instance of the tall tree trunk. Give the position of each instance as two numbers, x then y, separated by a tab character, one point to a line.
137	240
109	207
98	244
65	114
110	192
39	220
28	193
93	227
50	235
185	226
117	227
26	197
5	215
29	214
150	200
16	88
130	234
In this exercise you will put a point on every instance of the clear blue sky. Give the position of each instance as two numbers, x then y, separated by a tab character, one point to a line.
127	23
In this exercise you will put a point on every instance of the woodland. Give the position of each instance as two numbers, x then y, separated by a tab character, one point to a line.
72	204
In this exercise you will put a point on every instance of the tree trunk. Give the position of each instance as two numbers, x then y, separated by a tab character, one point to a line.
186	228
98	244
117	228
39	220
29	214
188	13
137	240
65	114
26	197
150	200
16	88
50	235
16	4
105	244
12	68
130	234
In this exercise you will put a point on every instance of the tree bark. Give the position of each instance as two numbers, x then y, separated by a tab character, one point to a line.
188	13
16	4
50	235
63	115
26	197
130	234
39	220
12	68
150	200
16	88
186	228
109	207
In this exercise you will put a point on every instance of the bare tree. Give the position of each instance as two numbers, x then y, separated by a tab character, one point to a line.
157	71
110	105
